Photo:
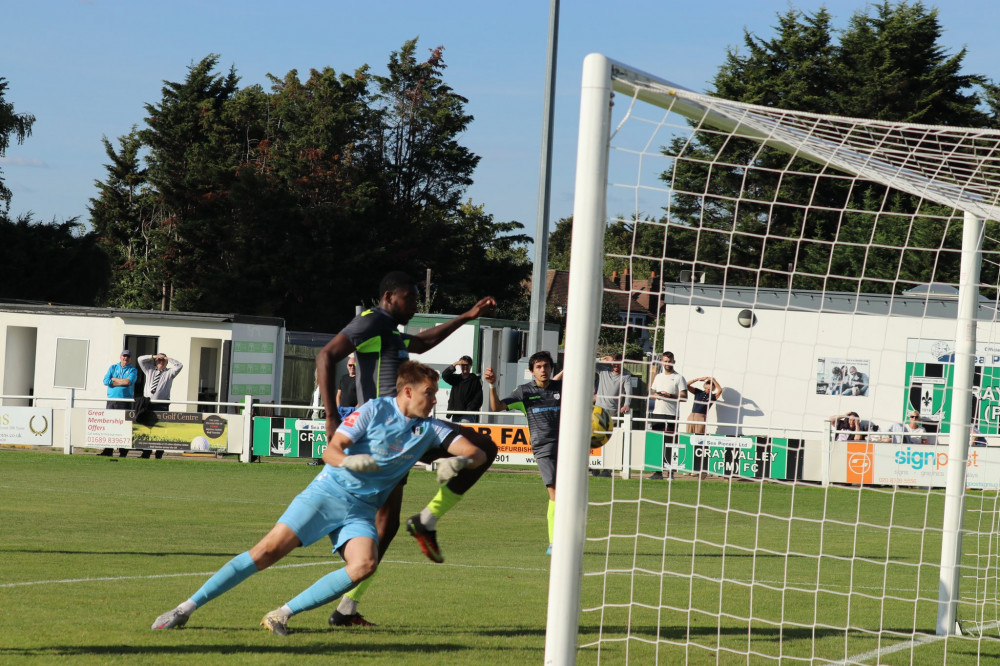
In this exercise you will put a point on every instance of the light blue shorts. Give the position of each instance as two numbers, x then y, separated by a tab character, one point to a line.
313	515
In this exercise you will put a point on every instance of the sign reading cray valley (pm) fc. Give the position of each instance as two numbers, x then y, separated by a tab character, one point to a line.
719	455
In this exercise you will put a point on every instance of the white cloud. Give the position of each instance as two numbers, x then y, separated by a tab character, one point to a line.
24	161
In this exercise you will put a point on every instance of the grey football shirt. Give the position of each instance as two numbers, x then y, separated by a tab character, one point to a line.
379	349
540	406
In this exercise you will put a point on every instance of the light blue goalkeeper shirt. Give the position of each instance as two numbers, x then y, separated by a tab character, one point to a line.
396	442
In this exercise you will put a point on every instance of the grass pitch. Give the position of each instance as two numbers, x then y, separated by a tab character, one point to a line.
94	548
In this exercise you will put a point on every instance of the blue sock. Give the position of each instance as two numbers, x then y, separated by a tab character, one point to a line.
232	574
323	591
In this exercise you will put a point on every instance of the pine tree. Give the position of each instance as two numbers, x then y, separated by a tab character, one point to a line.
129	223
191	164
888	66
16	125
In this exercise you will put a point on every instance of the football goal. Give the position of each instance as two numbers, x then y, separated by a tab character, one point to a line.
815	476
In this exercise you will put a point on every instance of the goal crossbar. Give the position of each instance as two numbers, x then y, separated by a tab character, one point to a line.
955	167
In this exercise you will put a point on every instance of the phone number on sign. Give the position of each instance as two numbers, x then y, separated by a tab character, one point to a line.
111	440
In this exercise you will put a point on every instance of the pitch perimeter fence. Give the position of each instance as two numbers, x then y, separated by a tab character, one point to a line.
251	430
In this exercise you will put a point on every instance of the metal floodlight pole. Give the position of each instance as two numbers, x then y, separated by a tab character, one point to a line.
541	263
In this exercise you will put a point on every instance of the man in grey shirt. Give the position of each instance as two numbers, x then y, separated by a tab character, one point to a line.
613	387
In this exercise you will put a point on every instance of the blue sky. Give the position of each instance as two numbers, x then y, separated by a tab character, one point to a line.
85	68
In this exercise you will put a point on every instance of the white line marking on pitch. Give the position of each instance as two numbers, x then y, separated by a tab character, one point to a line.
898	647
915	642
282	566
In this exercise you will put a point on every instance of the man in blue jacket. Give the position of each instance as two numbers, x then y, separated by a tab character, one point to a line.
120	380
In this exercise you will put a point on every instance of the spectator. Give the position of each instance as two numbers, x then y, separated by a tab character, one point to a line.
159	371
977	436
347	397
703	401
347	390
612	392
120	380
849	427
668	388
909	433
466	390
613	386
316	402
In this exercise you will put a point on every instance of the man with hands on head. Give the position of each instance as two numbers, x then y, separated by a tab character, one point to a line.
371	451
466	390
379	349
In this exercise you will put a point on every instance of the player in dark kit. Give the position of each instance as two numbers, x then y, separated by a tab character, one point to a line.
379	348
540	401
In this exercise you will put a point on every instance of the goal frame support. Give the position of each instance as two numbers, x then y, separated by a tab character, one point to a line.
602	77
583	318
960	435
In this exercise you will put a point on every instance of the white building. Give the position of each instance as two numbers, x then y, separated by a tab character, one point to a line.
50	351
778	353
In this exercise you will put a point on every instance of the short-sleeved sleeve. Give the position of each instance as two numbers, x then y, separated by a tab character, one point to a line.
356	424
515	400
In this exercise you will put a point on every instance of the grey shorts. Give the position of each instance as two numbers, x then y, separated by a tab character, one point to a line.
547	466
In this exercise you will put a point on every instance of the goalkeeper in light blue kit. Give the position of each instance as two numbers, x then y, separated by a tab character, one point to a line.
368	455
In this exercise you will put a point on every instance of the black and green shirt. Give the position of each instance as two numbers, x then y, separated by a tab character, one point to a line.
541	407
379	349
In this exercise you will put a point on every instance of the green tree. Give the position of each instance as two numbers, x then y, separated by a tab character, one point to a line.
294	201
559	244
128	221
56	262
319	159
888	66
892	67
191	164
423	168
481	257
16	125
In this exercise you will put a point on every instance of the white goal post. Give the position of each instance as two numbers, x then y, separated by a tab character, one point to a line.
647	142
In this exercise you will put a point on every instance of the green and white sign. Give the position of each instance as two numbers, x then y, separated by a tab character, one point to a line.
719	455
930	369
294	438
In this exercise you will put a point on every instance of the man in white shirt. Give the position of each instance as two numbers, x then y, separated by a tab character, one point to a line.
667	389
909	433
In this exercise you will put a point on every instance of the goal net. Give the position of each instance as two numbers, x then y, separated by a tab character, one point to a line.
815	478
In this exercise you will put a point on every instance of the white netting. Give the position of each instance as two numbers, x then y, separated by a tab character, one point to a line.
811	266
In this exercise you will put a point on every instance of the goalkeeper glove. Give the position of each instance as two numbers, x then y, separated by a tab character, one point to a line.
362	463
449	467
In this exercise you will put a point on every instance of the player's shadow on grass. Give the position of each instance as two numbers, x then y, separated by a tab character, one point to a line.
286	646
681	633
139	553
